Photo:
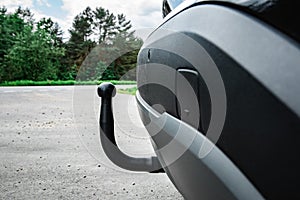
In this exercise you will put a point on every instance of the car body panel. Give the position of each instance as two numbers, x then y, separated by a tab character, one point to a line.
259	66
211	177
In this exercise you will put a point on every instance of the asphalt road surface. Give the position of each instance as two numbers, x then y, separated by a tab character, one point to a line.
49	147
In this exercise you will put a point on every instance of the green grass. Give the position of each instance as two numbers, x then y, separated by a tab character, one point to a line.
130	91
68	82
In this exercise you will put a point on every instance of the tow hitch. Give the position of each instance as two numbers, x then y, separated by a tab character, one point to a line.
107	136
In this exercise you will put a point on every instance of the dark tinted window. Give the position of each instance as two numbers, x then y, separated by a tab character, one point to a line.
169	5
165	8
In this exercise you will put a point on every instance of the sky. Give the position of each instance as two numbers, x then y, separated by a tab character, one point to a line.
144	14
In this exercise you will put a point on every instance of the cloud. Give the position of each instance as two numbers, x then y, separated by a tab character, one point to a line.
11	5
43	3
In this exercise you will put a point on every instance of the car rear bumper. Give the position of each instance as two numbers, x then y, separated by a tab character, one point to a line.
194	164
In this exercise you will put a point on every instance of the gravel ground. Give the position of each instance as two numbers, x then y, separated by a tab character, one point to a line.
49	149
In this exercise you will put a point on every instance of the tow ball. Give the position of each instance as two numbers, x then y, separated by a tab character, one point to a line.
107	137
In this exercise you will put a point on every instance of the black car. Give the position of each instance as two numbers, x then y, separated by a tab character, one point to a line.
219	93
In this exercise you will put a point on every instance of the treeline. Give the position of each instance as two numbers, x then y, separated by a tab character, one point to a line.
101	45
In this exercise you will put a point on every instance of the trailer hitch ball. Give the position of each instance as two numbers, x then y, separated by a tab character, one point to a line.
107	136
106	90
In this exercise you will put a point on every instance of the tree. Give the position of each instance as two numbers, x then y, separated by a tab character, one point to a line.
65	70
127	60
79	45
106	25
25	14
10	26
53	29
124	25
116	50
109	61
33	56
82	26
126	46
28	50
37	51
99	15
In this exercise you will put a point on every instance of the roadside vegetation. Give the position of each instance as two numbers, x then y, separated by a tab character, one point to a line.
130	91
37	50
67	82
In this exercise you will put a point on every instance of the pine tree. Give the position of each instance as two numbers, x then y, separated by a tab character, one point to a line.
80	45
124	25
26	15
53	29
105	25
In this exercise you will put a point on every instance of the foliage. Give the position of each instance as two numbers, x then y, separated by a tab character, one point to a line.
114	46
131	91
53	29
101	46
10	26
62	82
33	56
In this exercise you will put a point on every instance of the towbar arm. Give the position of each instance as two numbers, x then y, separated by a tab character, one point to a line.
148	164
